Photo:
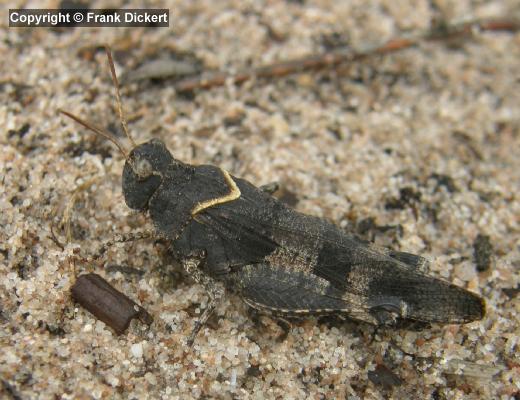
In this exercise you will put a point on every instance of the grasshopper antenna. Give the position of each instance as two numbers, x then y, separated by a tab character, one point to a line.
118	95
96	129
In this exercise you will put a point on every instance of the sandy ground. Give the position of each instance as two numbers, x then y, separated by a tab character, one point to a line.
417	150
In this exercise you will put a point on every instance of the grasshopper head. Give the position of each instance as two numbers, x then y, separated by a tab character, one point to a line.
145	168
147	164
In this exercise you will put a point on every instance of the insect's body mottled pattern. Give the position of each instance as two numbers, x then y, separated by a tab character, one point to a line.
224	229
282	261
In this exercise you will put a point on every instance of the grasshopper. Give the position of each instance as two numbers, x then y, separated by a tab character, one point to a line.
230	234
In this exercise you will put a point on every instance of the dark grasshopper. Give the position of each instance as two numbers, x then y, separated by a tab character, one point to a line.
224	229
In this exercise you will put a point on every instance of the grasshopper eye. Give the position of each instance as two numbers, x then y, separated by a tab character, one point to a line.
142	168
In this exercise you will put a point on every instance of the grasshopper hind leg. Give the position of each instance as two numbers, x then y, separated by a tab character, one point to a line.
282	292
410	259
413	261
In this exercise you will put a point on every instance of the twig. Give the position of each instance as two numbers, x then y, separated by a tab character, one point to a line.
335	58
67	215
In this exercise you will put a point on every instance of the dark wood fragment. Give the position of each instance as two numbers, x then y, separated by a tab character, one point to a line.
107	303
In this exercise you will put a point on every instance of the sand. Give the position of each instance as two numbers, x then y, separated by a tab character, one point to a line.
423	142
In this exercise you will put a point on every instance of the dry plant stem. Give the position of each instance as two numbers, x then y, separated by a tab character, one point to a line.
67	215
335	58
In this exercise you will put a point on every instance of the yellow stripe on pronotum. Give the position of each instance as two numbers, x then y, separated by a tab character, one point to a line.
233	194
